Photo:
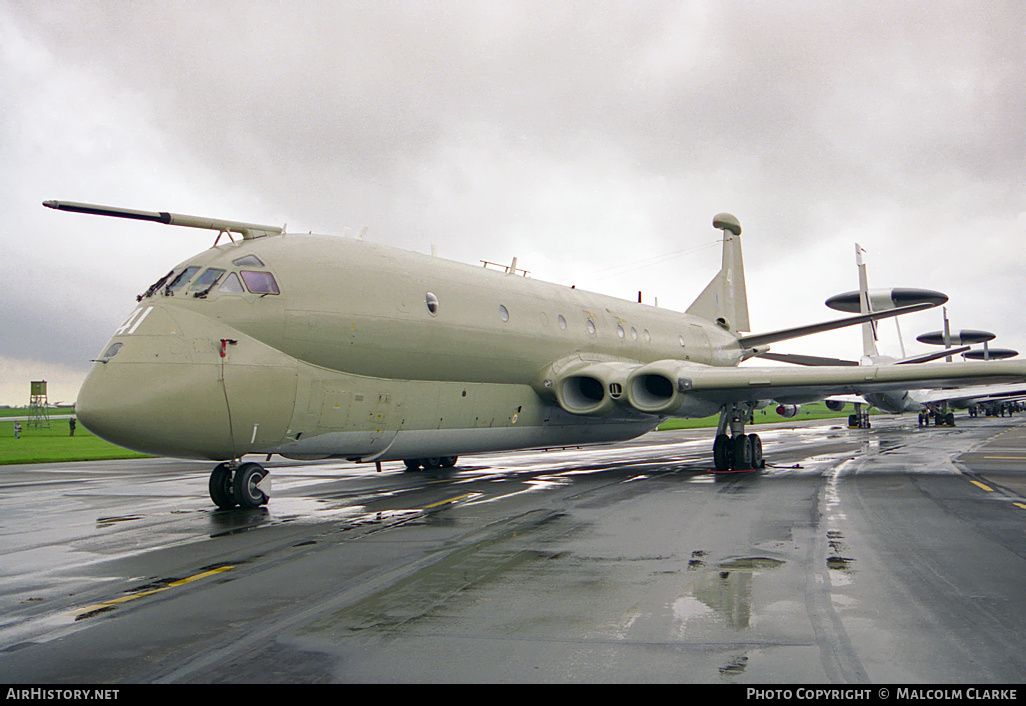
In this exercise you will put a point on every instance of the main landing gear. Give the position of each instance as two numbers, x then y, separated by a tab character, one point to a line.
859	420
413	464
736	451
234	485
943	419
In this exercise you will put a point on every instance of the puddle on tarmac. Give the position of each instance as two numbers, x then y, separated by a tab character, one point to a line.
723	589
735	667
836	561
102	522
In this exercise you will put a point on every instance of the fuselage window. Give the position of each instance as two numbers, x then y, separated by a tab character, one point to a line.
647	335
591	327
248	261
182	279
432	303
231	285
619	331
260	282
503	313
562	322
634	333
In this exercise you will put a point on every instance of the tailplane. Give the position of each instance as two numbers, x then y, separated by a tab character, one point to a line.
725	299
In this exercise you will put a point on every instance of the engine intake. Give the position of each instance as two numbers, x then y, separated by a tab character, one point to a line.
664	388
593	389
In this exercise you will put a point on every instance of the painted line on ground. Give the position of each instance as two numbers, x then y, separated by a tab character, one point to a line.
142	594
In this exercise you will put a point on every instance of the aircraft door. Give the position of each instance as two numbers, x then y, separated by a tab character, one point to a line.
260	391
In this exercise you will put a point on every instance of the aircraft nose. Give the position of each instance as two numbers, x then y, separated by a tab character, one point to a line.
140	407
168	385
145	400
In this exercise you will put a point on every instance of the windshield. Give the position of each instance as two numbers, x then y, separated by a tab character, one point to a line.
181	280
226	281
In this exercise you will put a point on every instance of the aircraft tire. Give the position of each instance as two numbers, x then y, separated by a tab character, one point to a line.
742	447
950	419
246	492
432	462
756	443
722	453
412	464
221	491
448	461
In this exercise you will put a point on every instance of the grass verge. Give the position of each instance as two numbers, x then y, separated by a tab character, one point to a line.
815	410
56	444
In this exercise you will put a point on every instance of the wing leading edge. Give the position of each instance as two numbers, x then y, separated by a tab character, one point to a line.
744	384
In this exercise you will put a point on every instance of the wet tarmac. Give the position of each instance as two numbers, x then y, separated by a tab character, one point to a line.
891	554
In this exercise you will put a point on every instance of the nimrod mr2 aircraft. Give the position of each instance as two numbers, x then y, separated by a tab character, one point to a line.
315	347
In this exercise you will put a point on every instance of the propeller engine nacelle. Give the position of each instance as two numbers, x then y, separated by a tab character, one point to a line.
788	410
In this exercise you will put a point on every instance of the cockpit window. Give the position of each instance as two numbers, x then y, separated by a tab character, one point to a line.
231	285
182	279
248	261
207	280
155	286
260	282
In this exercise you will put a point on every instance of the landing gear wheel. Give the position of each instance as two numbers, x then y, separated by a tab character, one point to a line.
247	494
221	491
412	464
722	453
756	444
742	452
448	461
433	462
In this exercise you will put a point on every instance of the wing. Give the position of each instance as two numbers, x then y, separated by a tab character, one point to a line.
811	360
761	339
672	388
975	393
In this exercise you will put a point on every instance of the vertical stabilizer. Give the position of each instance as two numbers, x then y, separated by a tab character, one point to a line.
725	299
869	349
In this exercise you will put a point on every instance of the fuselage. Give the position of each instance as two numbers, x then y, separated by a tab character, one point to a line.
893	401
314	346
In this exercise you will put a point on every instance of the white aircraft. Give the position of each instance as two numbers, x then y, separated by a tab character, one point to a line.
311	347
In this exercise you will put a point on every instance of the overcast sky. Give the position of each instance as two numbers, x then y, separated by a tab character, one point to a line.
594	141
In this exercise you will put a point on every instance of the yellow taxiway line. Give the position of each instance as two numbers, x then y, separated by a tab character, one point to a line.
142	594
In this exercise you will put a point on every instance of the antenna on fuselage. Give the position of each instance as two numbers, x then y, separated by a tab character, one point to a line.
248	231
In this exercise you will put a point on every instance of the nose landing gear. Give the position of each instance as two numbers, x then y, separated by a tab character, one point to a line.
233	485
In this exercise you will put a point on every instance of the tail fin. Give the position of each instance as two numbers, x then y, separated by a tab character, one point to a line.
725	299
869	349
